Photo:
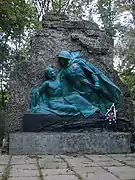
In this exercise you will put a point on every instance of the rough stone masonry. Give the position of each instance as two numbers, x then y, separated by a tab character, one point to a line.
59	33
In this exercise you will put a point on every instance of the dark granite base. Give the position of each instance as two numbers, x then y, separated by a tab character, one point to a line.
46	123
41	123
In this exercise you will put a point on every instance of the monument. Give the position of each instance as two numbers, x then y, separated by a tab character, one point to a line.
63	95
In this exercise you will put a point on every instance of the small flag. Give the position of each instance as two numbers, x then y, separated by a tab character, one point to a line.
111	115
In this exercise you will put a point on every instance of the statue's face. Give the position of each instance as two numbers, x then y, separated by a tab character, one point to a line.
64	62
51	73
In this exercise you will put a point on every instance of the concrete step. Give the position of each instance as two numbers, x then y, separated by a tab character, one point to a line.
63	143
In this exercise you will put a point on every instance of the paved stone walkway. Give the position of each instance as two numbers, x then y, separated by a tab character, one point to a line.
64	167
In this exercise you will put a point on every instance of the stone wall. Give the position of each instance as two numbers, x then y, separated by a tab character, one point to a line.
58	34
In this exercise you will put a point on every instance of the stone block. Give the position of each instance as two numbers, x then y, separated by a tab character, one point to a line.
63	143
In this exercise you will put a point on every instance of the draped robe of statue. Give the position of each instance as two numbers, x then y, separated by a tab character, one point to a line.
88	81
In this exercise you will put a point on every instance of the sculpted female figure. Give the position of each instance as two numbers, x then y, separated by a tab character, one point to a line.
49	98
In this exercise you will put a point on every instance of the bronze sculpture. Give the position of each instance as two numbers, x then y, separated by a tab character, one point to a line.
79	88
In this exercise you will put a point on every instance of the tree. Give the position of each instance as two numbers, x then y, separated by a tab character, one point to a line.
126	49
18	19
15	16
109	13
128	5
73	8
128	77
126	44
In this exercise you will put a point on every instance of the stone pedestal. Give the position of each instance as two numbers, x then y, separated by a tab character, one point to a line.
63	143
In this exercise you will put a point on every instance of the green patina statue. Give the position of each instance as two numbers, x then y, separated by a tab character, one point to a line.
78	89
88	81
49	99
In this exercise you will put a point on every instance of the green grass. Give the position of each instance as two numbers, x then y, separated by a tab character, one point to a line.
39	169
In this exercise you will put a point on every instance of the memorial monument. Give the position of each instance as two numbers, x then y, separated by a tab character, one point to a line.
79	90
68	85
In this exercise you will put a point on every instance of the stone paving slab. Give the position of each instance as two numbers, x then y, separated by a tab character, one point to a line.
99	176
23	178
50	158
104	160
4	160
0	175
79	161
131	154
76	167
98	158
25	166
52	165
130	163
23	160
121	157
2	168
89	170
53	172
110	163
23	173
124	173
61	177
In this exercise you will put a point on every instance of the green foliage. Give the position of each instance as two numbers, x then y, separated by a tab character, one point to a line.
108	11
15	16
73	8
18	21
128	78
128	6
126	44
126	51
